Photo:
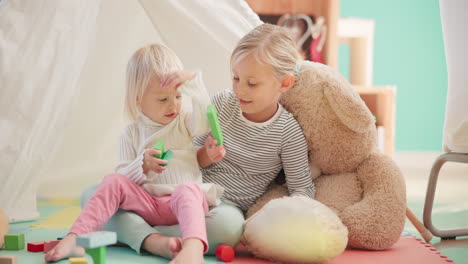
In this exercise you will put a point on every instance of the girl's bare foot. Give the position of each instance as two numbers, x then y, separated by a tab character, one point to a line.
65	248
163	246
191	253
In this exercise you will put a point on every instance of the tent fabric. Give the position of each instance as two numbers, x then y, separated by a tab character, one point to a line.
62	81
454	19
44	45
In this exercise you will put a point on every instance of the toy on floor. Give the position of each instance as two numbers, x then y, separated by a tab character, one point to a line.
159	145
8	259
77	261
364	187
225	253
95	244
3	227
36	246
214	124
14	241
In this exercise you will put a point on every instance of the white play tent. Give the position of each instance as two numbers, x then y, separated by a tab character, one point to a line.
62	75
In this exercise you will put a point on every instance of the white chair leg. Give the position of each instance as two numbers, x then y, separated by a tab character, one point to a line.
451	233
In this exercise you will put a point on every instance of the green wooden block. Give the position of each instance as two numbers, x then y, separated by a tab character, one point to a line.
214	124
98	254
167	156
159	145
14	241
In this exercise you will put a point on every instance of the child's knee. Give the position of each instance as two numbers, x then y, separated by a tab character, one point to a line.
115	179
191	191
227	220
224	226
188	188
116	183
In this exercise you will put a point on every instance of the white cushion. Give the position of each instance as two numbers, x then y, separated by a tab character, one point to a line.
295	229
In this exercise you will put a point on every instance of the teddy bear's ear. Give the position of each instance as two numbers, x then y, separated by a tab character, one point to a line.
348	106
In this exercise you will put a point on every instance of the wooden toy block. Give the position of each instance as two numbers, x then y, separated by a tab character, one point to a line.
167	156
98	254
36	246
14	241
97	239
225	253
214	124
49	245
159	145
77	261
8	259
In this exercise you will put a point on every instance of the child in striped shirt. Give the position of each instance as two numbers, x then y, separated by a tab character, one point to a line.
260	136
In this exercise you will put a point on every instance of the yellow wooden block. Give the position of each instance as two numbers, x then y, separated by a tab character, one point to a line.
78	261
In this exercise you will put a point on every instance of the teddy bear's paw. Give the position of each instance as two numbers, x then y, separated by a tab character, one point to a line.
295	230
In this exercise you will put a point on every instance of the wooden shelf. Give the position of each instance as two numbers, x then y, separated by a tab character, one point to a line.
329	9
379	99
381	102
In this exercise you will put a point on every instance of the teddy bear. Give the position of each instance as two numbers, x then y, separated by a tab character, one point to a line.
3	227
362	186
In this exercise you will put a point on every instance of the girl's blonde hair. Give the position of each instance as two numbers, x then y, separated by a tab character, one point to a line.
154	59
271	45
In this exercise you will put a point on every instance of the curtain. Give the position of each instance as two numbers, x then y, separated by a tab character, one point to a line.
62	82
43	47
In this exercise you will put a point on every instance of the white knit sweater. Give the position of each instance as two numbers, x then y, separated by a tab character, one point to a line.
177	136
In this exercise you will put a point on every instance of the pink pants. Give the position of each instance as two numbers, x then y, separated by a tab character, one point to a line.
187	207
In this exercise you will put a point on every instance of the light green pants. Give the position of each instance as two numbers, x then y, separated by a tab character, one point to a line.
223	225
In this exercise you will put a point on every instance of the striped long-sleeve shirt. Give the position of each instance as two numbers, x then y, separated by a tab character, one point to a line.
256	152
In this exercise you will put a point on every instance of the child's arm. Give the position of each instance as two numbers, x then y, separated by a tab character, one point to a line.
133	165
205	142
294	156
191	84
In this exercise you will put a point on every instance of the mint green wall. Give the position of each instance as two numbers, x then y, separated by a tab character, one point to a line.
408	53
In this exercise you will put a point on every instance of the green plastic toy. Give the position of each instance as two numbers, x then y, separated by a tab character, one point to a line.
214	124
165	155
159	145
98	254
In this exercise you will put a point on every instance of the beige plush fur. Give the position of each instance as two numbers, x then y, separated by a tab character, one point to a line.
364	187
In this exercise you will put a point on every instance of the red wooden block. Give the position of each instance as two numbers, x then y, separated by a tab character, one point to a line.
49	245
36	247
225	253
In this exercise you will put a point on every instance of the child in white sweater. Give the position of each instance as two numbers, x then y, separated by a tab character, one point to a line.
161	195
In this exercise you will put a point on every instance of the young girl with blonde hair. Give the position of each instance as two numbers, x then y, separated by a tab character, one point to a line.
260	136
161	195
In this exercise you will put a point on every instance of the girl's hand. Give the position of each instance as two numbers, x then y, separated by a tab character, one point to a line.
176	79
151	163
215	153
